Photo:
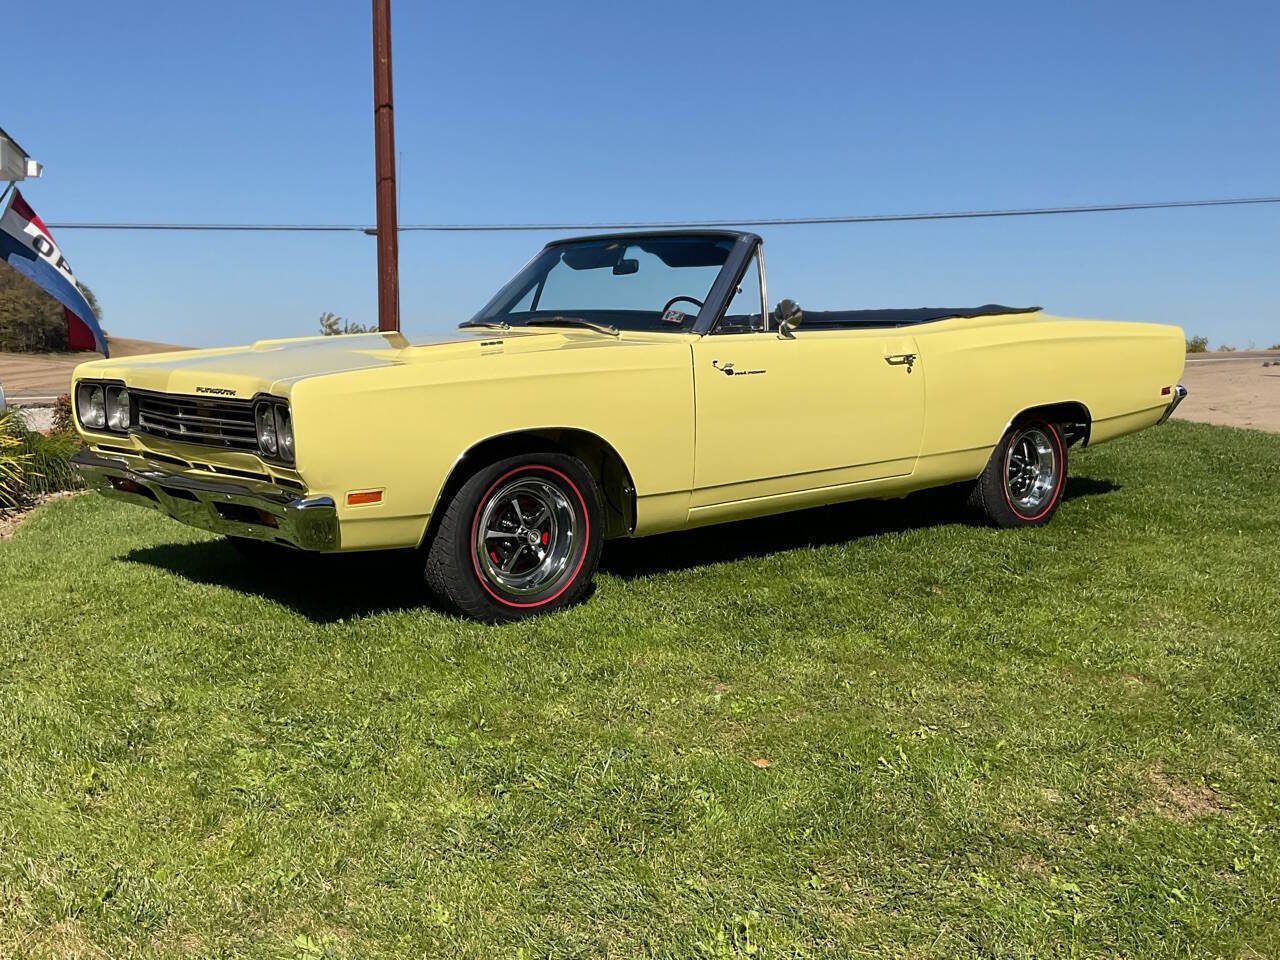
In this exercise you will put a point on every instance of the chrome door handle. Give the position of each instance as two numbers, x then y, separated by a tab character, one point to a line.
902	359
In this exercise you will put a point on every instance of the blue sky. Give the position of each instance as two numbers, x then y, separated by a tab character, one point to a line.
506	111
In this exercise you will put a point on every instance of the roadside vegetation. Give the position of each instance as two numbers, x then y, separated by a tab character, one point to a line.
14	461
33	464
1197	344
331	325
871	730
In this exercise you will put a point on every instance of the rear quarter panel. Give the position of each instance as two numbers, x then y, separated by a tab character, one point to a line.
980	375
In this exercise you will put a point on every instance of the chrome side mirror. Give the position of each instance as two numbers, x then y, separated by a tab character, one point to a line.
789	316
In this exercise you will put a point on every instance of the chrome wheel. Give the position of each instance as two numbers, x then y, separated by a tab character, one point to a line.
1031	470
525	535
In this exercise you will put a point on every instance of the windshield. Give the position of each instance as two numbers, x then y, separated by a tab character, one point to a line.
630	283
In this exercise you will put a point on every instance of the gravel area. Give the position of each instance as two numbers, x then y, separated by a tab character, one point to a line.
1233	390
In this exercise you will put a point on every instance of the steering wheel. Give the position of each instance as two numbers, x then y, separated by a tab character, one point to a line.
677	300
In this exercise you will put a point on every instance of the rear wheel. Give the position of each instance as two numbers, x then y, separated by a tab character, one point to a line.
1022	483
520	538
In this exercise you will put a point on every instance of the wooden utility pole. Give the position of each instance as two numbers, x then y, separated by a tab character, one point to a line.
384	146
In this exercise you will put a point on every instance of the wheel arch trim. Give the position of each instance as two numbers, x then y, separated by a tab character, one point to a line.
530	440
1077	412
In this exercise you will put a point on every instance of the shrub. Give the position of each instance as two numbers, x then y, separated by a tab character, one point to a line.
14	460
1226	348
62	419
1274	346
1197	344
32	464
49	464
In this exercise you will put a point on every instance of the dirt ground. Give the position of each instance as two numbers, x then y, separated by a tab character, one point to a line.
46	375
1234	389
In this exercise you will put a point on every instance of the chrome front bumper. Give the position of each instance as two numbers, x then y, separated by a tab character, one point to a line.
1179	394
232	509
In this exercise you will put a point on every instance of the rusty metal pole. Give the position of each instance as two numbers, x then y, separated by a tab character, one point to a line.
384	145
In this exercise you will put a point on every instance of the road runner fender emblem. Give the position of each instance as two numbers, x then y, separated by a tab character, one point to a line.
729	370
219	391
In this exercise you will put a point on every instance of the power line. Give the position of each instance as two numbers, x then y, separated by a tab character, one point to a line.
664	224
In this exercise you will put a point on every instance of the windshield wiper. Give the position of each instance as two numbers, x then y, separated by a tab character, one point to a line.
572	322
487	324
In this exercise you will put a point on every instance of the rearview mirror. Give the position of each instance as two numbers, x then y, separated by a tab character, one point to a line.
625	267
789	316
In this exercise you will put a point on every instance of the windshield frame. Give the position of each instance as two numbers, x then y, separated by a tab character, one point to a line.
718	297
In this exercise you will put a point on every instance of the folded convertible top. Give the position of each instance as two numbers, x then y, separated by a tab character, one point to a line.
903	318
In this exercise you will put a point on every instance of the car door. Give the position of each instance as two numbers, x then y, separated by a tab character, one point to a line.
777	416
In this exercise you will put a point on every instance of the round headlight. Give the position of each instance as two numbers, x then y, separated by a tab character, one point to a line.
118	415
284	431
90	406
266	420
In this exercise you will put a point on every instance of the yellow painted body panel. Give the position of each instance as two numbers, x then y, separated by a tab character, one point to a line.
830	415
821	410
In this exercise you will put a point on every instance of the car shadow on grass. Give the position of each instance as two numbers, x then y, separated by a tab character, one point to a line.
326	589
821	526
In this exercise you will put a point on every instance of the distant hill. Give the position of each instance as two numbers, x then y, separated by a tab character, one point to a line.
49	374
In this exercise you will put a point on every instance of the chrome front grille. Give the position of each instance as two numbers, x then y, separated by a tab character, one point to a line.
213	423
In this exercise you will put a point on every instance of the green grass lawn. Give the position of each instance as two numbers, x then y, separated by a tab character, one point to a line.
1051	743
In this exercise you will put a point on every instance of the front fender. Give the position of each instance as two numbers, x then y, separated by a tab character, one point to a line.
403	430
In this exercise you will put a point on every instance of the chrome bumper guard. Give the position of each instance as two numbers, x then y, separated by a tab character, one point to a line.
1179	394
309	523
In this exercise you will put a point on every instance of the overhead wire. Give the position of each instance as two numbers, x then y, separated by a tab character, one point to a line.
668	224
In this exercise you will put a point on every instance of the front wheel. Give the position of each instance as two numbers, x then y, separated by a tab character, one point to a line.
1022	483
521	537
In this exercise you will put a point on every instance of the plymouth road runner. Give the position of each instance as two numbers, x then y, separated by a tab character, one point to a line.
618	386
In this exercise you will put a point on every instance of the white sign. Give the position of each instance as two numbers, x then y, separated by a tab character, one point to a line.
14	164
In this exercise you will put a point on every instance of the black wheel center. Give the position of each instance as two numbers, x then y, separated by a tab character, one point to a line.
526	534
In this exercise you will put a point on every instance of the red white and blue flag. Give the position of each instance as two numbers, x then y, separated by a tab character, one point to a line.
28	247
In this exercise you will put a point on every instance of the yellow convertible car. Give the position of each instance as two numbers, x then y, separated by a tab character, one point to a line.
618	386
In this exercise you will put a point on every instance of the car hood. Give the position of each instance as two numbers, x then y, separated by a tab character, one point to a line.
274	366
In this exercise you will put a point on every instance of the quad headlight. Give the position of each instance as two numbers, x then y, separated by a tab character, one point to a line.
275	430
91	406
284	432
119	415
104	406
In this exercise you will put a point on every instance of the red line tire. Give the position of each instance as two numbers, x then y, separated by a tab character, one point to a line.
1022	483
520	538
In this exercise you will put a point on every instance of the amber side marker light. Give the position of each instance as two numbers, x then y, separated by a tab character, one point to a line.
362	497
